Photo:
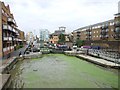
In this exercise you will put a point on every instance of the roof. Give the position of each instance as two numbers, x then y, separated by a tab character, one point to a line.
101	23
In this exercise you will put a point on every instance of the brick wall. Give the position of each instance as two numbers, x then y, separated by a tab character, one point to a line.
1	54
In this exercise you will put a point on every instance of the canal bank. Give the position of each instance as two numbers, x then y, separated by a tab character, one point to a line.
7	64
29	56
5	76
4	81
92	59
99	61
61	71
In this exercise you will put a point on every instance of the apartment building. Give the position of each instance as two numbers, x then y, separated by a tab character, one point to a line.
54	37
105	34
44	35
21	37
30	37
9	31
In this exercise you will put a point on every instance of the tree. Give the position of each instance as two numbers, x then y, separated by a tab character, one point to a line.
61	39
79	43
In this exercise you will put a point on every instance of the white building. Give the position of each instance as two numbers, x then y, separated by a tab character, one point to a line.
44	35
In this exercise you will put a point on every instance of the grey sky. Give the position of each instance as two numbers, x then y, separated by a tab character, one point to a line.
32	15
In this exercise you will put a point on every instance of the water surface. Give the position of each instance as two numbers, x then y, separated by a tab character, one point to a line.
61	71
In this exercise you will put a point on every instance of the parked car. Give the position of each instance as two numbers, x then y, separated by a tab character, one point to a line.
62	47
95	47
27	52
35	49
74	47
87	47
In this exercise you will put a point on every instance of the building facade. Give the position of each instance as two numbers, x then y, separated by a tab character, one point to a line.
44	35
54	37
8	31
105	34
21	38
30	38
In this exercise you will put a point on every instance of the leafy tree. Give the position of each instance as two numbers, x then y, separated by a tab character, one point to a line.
61	39
79	43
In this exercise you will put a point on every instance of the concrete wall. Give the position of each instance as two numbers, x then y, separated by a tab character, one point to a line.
1	52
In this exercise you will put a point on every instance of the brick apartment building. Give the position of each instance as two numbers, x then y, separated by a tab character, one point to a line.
105	34
54	37
10	35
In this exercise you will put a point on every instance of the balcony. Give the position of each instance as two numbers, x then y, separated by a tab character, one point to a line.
117	30
104	27
12	47
10	38
13	30
15	39
88	33
117	36
78	32
7	27
88	37
117	24
17	33
78	35
103	33
6	49
5	38
103	37
19	40
11	21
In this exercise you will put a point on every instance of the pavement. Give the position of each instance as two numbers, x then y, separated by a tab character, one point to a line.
99	61
95	60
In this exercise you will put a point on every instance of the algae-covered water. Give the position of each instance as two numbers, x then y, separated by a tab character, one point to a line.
61	71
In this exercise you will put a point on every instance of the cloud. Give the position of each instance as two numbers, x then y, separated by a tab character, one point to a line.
33	15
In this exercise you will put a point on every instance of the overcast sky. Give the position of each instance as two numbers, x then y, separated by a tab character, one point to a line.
33	15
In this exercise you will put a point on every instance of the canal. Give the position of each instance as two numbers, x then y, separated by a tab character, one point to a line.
61	71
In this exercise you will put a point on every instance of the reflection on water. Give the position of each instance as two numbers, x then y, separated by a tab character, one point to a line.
60	71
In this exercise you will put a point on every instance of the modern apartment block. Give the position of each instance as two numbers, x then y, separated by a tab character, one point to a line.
44	35
9	33
105	34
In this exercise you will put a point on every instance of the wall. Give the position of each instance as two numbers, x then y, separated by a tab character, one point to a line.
1	31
